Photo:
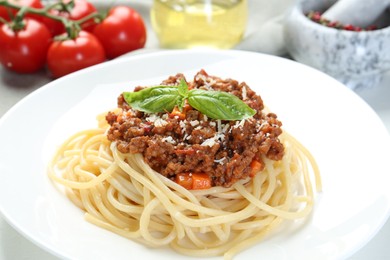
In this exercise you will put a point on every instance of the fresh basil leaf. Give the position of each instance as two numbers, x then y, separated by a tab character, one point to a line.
183	88
214	104
219	105
180	103
183	91
154	99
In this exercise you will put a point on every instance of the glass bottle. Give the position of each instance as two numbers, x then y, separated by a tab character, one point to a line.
199	23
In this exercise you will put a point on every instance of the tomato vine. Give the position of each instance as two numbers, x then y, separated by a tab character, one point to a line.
67	22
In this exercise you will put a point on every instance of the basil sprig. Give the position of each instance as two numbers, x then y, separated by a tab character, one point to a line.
214	104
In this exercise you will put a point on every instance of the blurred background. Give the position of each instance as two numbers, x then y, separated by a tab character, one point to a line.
261	29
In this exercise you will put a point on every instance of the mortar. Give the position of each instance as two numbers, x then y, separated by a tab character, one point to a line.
357	59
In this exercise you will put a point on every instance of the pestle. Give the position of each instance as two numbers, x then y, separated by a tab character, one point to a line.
361	13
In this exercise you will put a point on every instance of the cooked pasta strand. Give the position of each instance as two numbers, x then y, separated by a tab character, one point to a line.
121	193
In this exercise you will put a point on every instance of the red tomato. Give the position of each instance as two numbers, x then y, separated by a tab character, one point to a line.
5	12
67	56
122	31
24	51
80	10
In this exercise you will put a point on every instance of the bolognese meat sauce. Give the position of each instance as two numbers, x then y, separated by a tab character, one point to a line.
189	141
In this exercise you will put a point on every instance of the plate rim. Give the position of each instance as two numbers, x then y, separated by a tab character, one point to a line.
126	59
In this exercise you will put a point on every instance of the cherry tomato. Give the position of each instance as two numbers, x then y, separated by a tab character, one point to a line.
81	9
24	51
67	56
122	31
8	13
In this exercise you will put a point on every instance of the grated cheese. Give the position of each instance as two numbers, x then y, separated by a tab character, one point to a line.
209	142
240	123
151	118
156	120
194	122
219	128
225	128
183	126
244	93
220	161
260	126
160	122
169	139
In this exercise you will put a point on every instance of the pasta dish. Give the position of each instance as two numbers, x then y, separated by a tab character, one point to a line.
198	165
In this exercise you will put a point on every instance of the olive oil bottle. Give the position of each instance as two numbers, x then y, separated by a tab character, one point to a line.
199	23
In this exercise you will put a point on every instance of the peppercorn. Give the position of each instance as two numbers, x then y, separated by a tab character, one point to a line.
316	16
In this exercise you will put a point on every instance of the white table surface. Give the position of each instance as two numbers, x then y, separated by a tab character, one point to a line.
14	87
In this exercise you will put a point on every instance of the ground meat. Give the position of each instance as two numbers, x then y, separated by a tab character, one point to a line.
222	149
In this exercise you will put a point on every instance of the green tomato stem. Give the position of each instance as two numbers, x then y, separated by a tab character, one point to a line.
72	28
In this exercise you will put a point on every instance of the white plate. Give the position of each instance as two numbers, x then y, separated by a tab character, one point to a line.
344	134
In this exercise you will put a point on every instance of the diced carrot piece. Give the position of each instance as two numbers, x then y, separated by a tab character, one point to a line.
177	113
201	181
255	166
186	106
193	181
181	114
184	179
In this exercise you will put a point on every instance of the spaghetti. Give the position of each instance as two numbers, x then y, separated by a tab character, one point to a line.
122	193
